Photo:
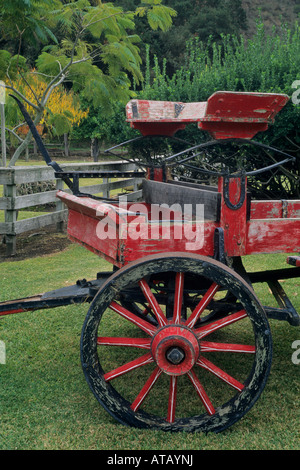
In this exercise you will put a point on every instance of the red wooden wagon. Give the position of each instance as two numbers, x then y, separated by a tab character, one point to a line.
179	290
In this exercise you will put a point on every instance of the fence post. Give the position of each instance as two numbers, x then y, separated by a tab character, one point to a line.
11	203
11	218
106	192
135	185
59	204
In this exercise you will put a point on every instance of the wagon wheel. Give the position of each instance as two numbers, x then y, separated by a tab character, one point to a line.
192	376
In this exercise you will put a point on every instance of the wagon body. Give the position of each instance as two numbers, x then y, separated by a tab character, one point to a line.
249	226
144	228
178	278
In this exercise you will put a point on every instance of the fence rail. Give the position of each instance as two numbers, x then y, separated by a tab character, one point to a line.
11	202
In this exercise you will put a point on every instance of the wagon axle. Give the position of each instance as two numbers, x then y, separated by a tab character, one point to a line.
175	355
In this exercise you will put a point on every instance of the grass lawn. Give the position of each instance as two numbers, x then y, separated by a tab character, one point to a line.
45	402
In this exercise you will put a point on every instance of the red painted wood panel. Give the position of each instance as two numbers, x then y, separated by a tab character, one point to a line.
273	236
121	236
82	229
243	115
233	222
275	209
225	115
133	249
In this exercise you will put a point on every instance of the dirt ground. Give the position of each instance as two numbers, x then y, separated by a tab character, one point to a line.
33	244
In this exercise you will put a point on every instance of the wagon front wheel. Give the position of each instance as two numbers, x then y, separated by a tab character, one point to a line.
196	371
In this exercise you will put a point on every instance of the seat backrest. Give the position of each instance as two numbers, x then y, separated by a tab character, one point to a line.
155	192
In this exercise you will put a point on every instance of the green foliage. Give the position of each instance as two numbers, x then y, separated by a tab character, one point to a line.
61	124
265	63
195	18
4	62
98	51
268	63
109	127
24	22
105	55
11	65
158	17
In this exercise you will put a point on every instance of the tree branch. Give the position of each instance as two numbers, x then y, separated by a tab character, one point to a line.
15	134
106	18
22	97
30	88
293	143
50	89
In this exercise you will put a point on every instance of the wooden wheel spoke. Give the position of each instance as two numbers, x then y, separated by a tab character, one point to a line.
207	346
139	362
201	392
216	325
172	399
146	389
143	343
206	364
162	321
179	284
208	296
166	306
143	324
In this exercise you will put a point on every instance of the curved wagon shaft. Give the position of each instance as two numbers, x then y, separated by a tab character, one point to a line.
179	291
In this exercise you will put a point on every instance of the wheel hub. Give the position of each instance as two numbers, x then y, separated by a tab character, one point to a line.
175	349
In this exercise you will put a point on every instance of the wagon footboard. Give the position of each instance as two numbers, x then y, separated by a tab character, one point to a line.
81	292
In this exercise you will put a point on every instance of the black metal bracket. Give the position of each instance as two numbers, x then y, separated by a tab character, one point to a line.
286	311
219	246
40	143
227	201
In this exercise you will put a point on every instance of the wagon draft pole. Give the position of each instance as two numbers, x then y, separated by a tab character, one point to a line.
205	336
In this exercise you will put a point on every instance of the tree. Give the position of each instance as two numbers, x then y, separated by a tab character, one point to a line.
26	24
196	18
62	112
98	57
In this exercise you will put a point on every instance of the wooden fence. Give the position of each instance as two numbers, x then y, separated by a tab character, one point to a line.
11	202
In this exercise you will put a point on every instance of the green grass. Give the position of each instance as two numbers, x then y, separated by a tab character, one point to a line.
22	215
45	402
